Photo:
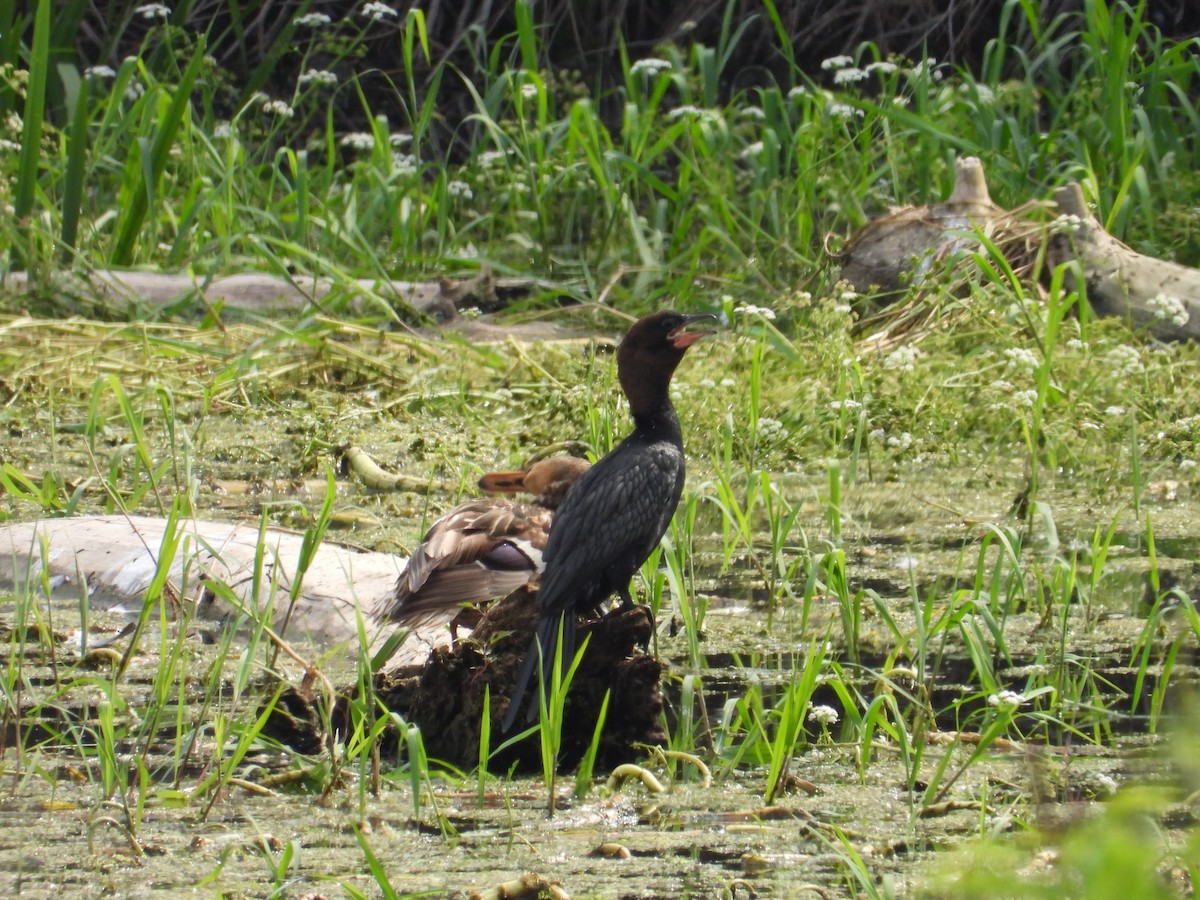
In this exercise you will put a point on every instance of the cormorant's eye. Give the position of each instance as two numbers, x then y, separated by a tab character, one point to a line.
670	324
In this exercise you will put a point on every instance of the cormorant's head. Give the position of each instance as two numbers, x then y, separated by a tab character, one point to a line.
651	350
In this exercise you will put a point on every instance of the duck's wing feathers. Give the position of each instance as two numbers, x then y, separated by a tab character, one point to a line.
478	551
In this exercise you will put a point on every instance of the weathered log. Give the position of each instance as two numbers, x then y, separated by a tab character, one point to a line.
114	559
263	294
890	254
897	251
446	696
1161	296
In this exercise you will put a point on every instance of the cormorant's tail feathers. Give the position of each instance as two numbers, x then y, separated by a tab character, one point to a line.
542	646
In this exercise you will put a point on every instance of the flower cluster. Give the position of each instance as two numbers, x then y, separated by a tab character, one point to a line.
649	66
903	358
153	11
1068	224
358	140
378	12
823	715
318	77
1006	698
761	312
1172	309
1124	359
1022	358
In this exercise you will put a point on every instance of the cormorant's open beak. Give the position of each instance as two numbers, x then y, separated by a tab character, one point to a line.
681	338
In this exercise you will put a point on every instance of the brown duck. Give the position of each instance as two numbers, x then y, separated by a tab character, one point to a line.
482	549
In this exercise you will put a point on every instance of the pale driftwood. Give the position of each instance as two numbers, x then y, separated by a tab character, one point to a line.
1122	282
262	294
257	292
897	251
900	249
114	558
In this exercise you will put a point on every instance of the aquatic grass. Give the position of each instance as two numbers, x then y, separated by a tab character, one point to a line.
33	112
790	714
587	765
552	700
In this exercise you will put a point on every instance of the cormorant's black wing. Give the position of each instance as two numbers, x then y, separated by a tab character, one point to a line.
609	523
607	526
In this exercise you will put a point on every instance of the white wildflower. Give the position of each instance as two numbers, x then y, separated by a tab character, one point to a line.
319	77
928	66
313	20
752	150
1077	344
1067	224
153	11
222	130
529	91
1114	411
1001	385
1172	309
649	66
377	12
900	441
1022	358
883	68
405	164
100	72
459	189
278	108
903	358
844	111
770	429
844	404
798	91
1025	398
1006	698
837	62
981	91
1124	359
848	76
358	140
752	112
823	715
10	146
761	312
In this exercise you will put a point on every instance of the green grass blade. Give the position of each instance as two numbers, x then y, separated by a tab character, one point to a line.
164	138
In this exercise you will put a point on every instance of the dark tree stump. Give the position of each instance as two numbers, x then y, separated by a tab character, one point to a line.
446	699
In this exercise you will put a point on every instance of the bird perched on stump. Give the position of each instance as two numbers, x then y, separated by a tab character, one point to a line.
618	510
482	549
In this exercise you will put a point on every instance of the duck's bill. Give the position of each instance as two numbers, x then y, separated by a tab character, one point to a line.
503	482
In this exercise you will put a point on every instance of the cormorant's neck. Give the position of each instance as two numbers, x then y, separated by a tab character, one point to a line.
659	421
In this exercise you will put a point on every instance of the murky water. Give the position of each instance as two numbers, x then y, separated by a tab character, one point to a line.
910	543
